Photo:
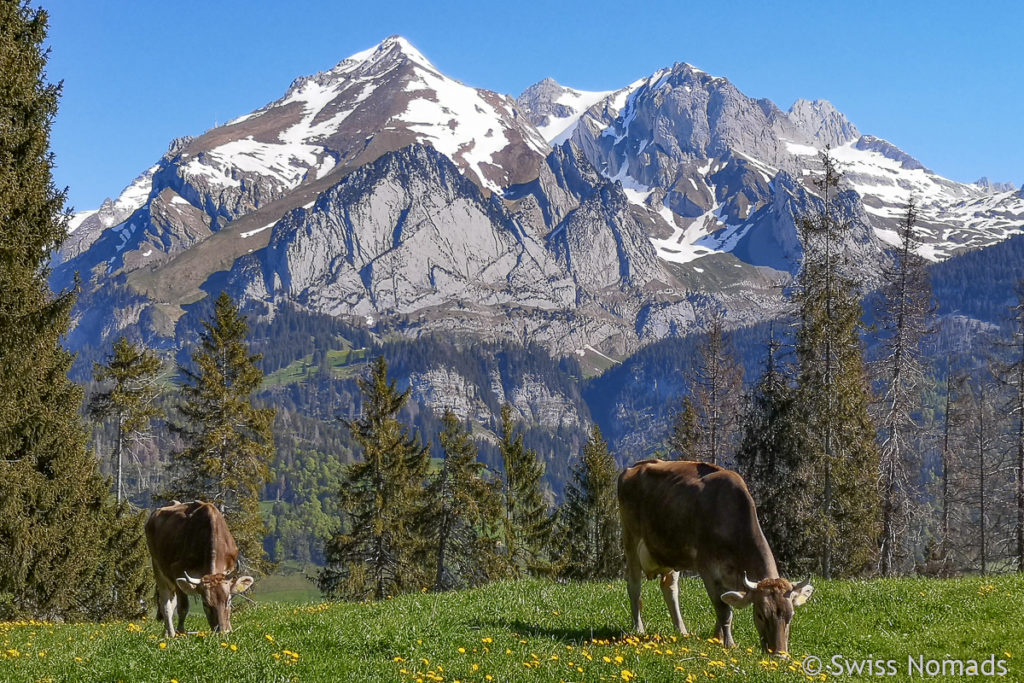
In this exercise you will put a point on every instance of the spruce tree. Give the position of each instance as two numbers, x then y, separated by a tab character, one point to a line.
904	310
588	522
375	554
229	442
682	440
769	457
461	513
527	525
61	556
834	396
130	399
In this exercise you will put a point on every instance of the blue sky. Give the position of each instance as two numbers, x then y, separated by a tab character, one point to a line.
942	80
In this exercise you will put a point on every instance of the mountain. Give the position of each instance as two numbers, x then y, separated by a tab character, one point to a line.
385	193
694	148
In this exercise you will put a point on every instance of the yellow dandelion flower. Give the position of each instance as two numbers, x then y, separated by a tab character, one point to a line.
162	645
487	640
234	648
462	650
618	659
476	667
269	637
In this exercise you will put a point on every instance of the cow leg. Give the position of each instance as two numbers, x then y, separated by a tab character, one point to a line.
168	602
182	608
670	591
634	582
723	625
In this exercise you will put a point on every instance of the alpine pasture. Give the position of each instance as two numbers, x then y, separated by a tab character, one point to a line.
536	630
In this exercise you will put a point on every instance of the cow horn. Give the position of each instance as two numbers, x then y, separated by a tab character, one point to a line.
748	583
799	586
194	582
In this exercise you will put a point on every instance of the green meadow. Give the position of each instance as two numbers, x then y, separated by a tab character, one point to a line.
537	631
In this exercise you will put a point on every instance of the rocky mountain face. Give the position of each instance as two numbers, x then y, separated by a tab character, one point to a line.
383	192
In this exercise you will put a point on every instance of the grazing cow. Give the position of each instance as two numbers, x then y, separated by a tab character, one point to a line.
193	552
692	516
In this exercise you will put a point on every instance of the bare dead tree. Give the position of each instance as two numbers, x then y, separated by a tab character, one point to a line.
712	414
904	313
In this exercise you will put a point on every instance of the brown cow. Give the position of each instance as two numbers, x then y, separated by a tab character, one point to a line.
690	516
193	552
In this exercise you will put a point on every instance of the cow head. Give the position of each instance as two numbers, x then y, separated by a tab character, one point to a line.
216	591
774	601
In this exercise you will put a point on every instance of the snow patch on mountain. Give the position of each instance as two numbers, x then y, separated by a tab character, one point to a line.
577	102
459	122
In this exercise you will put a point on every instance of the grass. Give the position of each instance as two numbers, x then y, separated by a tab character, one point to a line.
343	364
532	630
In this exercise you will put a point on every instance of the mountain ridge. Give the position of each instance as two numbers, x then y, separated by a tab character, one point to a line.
641	206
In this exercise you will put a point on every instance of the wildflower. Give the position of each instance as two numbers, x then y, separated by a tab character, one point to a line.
234	648
162	645
462	650
487	640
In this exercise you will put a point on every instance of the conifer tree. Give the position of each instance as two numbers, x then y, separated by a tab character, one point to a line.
683	439
229	442
842	455
130	400
904	311
769	457
527	525
59	555
461	513
375	554
588	529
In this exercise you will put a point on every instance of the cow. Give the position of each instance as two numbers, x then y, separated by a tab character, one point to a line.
693	516
193	552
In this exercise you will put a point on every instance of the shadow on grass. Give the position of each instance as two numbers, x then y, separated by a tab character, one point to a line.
565	635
